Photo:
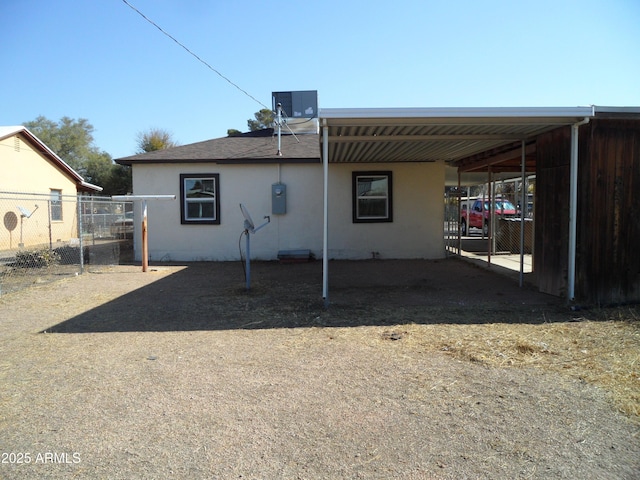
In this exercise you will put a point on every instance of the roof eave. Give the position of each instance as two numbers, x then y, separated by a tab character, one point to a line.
453	113
89	187
220	161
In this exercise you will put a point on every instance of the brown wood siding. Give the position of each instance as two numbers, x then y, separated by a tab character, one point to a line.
608	249
552	211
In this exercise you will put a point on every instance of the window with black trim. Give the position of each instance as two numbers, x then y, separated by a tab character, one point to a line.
200	198
372	195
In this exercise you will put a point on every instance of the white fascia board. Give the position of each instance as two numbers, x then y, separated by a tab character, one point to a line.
91	186
479	112
9	131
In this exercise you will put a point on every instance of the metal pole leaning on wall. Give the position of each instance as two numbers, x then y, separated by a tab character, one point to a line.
143	198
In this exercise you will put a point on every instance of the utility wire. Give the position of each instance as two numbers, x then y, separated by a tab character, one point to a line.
193	54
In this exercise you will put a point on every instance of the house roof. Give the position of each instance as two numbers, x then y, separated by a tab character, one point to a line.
81	184
252	147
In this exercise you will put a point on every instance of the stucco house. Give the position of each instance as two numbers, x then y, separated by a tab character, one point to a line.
370	184
375	219
30	167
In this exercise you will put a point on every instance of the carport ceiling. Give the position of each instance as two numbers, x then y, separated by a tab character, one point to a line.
469	138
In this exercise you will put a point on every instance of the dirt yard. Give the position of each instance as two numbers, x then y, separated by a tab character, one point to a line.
416	370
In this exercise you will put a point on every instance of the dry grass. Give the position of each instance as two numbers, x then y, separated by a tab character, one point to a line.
603	351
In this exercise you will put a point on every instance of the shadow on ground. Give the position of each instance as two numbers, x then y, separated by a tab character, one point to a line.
212	296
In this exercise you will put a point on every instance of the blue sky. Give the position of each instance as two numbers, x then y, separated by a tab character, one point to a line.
100	60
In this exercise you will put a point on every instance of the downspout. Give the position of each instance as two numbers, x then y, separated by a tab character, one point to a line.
573	209
325	227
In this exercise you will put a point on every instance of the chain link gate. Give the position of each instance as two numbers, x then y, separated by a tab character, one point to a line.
45	237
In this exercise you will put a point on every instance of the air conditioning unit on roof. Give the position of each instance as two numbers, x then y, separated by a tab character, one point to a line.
299	109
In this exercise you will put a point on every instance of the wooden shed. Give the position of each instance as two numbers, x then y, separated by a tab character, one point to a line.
608	209
587	215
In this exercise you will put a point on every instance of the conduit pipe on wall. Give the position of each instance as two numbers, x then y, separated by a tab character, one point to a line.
573	209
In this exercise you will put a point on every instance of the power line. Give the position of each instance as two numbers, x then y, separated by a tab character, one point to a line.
193	54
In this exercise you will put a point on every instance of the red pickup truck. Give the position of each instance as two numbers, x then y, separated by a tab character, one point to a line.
478	214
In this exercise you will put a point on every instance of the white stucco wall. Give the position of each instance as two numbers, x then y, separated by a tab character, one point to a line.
418	214
416	230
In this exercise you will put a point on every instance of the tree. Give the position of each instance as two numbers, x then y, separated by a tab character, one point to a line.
113	178
155	139
98	169
119	181
263	119
72	140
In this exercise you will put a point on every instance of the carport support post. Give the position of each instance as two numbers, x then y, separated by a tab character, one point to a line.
490	197
523	209
325	232
460	215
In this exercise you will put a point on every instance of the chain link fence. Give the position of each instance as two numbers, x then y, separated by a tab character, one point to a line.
44	237
491	223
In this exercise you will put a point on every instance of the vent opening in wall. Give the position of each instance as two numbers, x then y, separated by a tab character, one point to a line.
16	144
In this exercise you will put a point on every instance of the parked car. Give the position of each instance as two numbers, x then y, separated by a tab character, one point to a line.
123	227
478	216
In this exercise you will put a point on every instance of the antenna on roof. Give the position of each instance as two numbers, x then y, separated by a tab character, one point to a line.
279	124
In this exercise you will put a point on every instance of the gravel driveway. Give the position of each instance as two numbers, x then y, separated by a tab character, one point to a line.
179	372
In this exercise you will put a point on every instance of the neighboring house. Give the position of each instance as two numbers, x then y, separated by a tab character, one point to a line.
28	166
371	185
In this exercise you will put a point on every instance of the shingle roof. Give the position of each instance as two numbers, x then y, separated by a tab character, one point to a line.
253	147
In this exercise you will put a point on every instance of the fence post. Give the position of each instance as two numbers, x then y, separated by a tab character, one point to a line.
80	243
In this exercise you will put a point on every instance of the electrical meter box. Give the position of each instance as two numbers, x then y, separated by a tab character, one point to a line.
278	199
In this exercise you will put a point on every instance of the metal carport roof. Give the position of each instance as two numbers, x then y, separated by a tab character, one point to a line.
459	137
450	135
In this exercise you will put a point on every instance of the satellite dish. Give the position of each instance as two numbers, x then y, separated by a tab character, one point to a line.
248	225
26	213
249	228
